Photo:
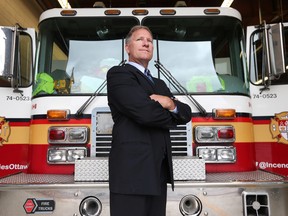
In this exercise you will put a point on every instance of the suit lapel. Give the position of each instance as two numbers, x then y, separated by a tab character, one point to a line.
142	79
158	87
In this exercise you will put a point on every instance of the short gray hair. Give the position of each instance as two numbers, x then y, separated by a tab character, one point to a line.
136	28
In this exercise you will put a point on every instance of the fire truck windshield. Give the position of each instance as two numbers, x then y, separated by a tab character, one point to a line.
204	54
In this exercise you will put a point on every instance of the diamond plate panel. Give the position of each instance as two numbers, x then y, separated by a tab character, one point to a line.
91	169
189	168
26	179
96	169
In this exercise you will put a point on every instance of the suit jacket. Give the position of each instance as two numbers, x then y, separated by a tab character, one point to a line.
141	138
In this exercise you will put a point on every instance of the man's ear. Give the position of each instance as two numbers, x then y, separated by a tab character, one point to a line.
127	49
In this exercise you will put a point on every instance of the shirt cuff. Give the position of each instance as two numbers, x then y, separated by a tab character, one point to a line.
175	110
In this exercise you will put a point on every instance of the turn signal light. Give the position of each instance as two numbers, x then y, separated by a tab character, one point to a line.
224	113
58	115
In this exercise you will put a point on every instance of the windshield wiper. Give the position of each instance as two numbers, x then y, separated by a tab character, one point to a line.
90	99
94	95
166	73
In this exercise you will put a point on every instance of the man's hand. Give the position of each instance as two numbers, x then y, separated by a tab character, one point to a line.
166	102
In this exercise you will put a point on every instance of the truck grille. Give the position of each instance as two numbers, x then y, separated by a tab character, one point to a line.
102	123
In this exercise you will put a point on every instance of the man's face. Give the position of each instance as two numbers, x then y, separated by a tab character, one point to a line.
140	47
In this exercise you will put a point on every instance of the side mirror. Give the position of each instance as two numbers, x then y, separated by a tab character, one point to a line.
17	51
267	54
277	51
6	55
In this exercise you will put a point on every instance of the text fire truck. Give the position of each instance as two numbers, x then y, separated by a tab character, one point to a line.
55	123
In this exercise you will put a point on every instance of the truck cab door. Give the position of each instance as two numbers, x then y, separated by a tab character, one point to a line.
17	52
268	67
267	53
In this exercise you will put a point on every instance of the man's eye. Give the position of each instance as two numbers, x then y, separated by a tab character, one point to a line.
142	39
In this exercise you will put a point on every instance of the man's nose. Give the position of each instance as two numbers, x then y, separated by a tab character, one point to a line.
146	42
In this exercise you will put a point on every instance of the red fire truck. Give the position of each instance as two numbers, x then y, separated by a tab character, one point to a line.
268	82
56	124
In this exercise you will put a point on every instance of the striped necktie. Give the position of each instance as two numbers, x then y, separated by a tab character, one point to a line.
148	74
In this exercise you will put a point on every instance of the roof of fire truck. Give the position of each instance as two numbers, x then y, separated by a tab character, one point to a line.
141	12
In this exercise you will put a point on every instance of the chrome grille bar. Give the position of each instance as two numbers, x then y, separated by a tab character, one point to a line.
102	123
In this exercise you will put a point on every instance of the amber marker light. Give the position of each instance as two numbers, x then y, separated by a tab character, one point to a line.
140	12
224	113
211	11
68	12
57	115
112	12
167	12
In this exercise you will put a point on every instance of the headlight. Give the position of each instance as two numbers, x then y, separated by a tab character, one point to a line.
65	154
217	154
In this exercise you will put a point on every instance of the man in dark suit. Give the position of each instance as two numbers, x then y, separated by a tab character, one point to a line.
143	111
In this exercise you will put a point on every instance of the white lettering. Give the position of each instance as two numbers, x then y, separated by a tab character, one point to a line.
45	203
46	208
13	167
265	165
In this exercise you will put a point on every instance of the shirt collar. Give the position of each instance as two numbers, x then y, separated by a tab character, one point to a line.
138	66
